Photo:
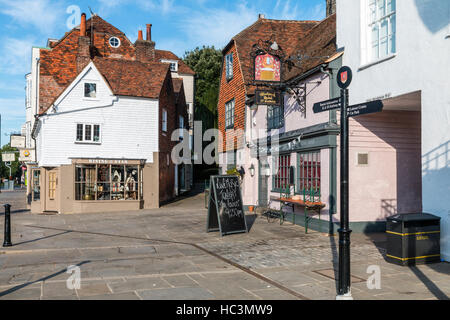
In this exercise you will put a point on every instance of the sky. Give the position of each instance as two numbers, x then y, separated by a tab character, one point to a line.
178	26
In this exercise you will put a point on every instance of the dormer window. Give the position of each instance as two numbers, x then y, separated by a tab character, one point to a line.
114	42
173	65
90	90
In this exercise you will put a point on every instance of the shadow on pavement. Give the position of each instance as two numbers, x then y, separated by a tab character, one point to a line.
38	239
434	289
250	220
21	286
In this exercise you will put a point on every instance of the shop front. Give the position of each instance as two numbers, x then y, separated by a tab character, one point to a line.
94	185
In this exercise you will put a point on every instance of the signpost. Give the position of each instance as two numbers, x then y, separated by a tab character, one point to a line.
225	209
344	78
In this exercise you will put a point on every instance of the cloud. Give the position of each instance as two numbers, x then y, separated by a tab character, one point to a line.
40	14
217	26
12	108
16	56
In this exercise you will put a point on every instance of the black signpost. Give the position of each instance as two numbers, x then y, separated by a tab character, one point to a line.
344	78
225	210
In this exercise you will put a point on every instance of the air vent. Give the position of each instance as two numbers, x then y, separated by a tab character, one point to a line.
363	159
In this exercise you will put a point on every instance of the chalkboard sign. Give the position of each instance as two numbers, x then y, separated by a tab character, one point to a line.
225	210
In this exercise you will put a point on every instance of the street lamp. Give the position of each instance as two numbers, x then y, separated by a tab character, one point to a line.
252	170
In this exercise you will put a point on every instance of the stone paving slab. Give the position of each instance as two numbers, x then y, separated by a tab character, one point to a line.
152	254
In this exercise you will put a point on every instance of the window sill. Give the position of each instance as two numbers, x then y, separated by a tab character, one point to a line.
367	65
90	99
87	142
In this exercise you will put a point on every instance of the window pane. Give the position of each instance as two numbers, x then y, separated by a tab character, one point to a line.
375	35
36	185
90	90
381	8
372	11
132	183
84	191
390	6
392	46
79	132
384	38
87	132
103	191
96	133
117	187
103	173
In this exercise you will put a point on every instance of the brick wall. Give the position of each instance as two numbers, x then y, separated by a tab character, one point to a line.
233	89
167	171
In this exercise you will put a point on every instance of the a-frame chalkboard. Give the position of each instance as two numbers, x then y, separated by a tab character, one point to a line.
225	210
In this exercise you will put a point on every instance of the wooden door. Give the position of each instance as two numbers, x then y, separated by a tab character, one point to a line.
51	191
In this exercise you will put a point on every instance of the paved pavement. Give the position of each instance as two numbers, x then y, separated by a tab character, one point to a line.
166	254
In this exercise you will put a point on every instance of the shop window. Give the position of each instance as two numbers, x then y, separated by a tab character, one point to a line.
88	133
90	90
308	178
85	182
281	177
36	185
107	182
275	117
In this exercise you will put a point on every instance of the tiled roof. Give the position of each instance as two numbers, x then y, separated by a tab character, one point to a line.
320	41
133	78
285	32
177	86
182	67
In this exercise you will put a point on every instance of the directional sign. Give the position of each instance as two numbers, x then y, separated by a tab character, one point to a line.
365	108
327	105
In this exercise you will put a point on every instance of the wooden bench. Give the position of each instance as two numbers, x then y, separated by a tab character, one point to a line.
309	206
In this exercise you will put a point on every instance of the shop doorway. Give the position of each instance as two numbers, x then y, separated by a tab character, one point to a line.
263	184
51	191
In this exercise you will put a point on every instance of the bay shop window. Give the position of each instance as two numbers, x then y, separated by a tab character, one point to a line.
111	182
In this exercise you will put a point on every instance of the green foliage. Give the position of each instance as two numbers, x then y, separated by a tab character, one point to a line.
15	166
207	63
233	171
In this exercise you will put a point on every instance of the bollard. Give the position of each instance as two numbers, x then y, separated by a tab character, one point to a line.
7	242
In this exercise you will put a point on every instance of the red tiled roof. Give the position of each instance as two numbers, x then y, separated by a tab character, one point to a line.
182	67
285	32
133	78
320	41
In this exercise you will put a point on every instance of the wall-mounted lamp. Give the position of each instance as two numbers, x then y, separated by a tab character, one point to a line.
274	46
252	170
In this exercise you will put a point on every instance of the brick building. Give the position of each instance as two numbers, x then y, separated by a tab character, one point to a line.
100	119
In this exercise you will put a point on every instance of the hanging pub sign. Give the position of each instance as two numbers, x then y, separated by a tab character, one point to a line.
225	209
267	68
267	97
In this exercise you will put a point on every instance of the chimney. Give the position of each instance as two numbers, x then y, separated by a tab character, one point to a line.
261	16
83	25
145	49
331	7
149	32
83	54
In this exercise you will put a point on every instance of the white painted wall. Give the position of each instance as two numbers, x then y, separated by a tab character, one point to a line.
421	64
129	126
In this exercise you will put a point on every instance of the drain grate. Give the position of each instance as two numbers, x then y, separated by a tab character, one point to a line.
333	274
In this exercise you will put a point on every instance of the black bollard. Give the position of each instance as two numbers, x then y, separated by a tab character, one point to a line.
7	242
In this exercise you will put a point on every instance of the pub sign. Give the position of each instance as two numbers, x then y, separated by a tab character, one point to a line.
267	97
267	68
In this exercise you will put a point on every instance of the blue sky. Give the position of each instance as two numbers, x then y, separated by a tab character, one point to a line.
177	26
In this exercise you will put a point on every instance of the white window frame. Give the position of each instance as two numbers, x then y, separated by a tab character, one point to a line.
229	114
164	120
367	24
109	42
229	66
96	90
91	141
172	63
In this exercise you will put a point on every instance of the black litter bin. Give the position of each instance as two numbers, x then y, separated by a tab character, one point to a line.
413	238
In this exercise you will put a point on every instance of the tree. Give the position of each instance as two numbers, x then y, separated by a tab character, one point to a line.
207	63
15	165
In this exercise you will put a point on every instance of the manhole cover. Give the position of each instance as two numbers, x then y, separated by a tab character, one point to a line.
333	274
